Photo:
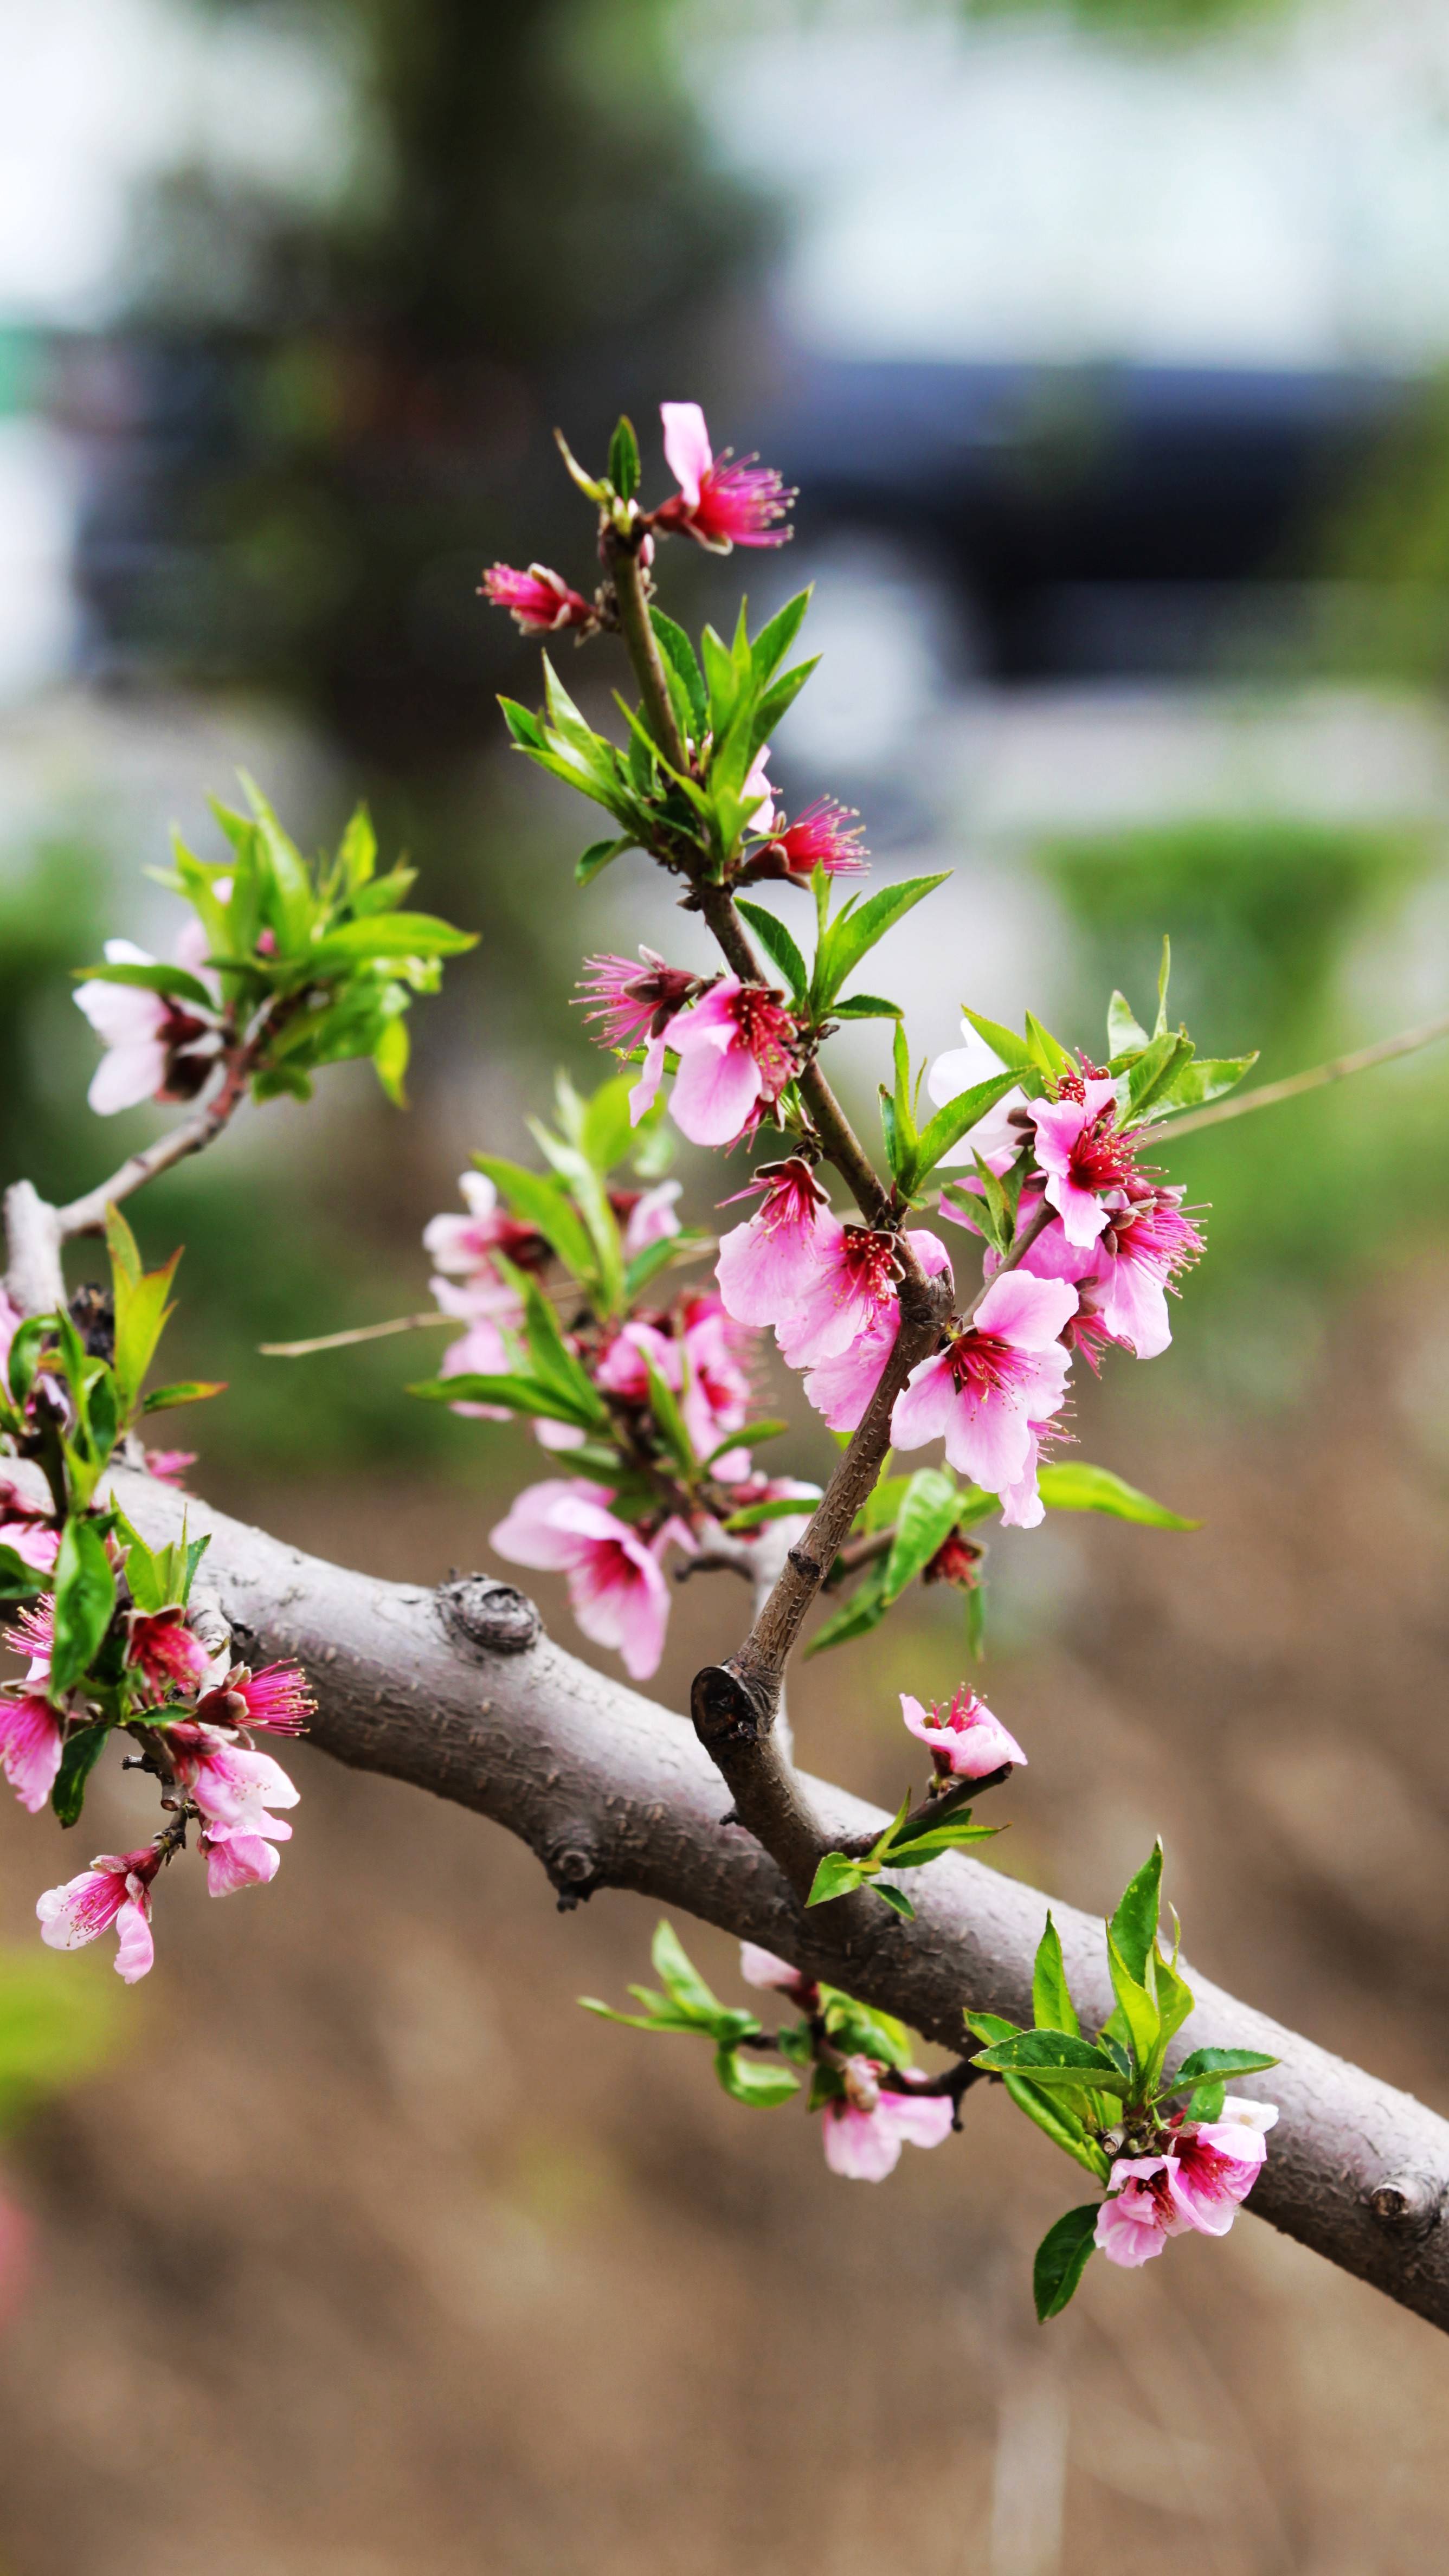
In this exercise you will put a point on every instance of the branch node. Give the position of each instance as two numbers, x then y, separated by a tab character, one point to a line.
574	1864
805	1566
486	1617
1410	2203
724	1710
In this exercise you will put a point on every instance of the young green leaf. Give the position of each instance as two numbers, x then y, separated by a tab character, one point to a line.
1047	1053
1056	2057
1013	1050
926	1517
895	1897
191	1390
950	1124
1134	1925
779	946
775	638
85	1596
681	659
1218	2062
541	1203
78	1760
1051	1999
516	1394
664	1405
18	1581
864	1610
677	1972
1163	972
597	857
856	930
1138	2010
624	459
1201	1079
866	1006
1074	1486
1124	1030
762	2082
835	1876
1062	2258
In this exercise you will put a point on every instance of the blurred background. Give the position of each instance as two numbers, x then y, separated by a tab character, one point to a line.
1110	348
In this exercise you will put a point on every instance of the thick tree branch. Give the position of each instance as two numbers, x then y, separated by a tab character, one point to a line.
459	1692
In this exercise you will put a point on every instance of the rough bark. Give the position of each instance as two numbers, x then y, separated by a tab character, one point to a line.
460	1692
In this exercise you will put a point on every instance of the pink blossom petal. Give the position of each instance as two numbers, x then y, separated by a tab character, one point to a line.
687	451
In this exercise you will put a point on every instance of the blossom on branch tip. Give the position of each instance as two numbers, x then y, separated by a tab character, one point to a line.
851	1284
616	1590
275	1701
770	1261
157	1048
113	1894
737	1049
540	602
761	1969
30	1746
867	2126
719	503
965	1741
994	1387
234	1788
1207	2172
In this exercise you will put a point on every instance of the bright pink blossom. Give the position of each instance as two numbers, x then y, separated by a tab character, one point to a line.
157	1047
719	503
770	1262
629	1002
841	1387
234	1787
826	835
114	1893
995	1386
30	1746
539	601
761	1968
717	1390
617	1593
851	1287
165	1651
26	1529
965	1741
1200	2183
1124	1275
1083	1152
168	1466
737	1050
32	1634
867	2127
275	1701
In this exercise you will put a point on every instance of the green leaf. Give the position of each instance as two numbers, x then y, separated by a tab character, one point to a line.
1059	2122
864	2030
647	1264
85	1596
784	1508
1137	2007
761	2082
749	1436
26	1346
950	1124
926	1517
390	1056
989	2027
141	1314
1124	1030
192	1390
1013	1051
1207	2101
388	934
677	1973
160	978
624	459
777	635
524	727
1062	2258
856	930
776	702
895	1897
605	1129
669	1421
597	857
517	1394
680	657
18	1581
864	1610
1150	1080
554	1364
1174	2003
1203	1078
866	1006
928	1841
1051	1999
541	1203
1047	1053
779	946
78	1760
1074	1486
835	1876
1218	2062
1055	2057
1134	1925
1163	972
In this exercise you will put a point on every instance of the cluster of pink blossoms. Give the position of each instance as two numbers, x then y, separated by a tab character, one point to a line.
567	1525
1198	2183
201	1711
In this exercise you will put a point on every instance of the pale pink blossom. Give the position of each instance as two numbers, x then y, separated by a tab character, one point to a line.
999	1135
629	1002
482	1349
26	1528
757	795
616	1590
1124	1275
168	1466
234	1787
30	1746
737	1050
113	1894
719	503
840	1387
463	1246
540	602
849	1287
157	1048
716	1389
770	1262
995	1385
1200	2183
32	1634
826	835
965	1741
867	2127
649	1218
761	1969
1082	1151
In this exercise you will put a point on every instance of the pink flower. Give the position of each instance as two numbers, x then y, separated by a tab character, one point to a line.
761	1968
719	504
163	1649
737	1050
757	795
275	1701
539	601
995	1385
115	1892
1125	1274
629	1002
32	1633
30	1746
825	836
841	1387
1200	2183
157	1048
168	1466
771	1261
717	1389
616	1590
867	2127
850	1288
463	1246
1083	1152
966	1742
234	1788
481	1351
24	1527
648	1216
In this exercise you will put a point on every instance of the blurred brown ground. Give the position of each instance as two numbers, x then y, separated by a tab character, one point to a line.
374	2256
